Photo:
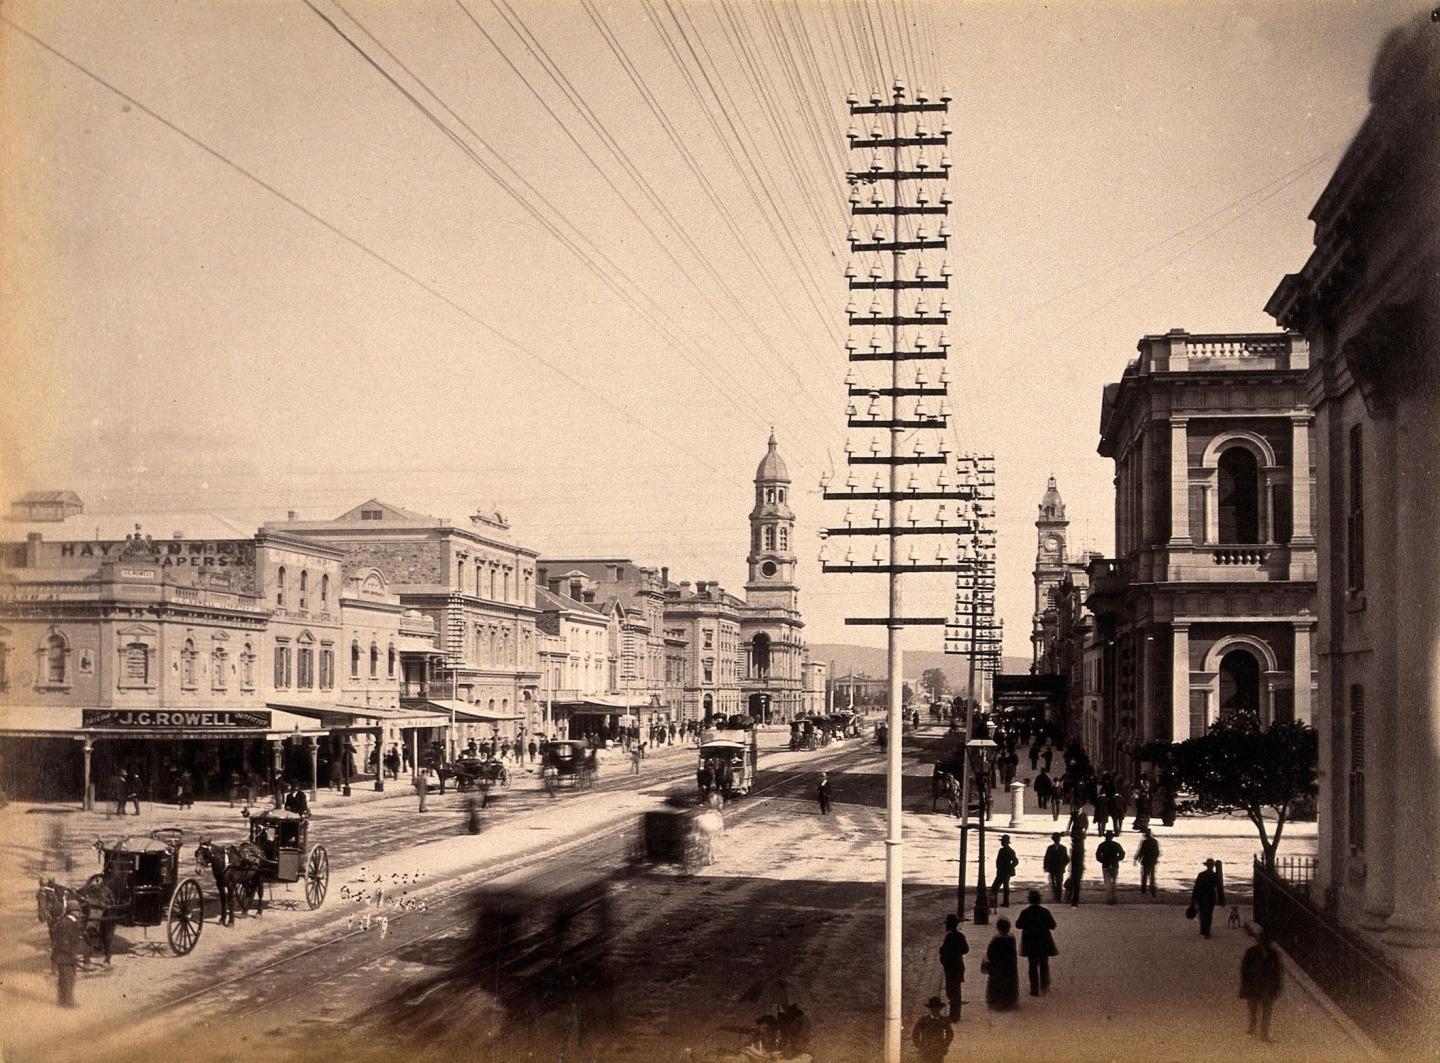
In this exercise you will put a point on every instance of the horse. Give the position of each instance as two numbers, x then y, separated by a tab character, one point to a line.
236	870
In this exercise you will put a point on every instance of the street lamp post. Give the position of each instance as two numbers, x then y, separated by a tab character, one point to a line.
981	751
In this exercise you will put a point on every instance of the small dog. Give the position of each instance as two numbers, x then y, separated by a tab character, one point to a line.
1234	916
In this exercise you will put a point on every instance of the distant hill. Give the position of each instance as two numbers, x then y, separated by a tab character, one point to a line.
871	661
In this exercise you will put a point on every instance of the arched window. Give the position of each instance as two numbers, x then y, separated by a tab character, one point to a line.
1239	509
4	667
219	667
304	585
492	704
325	590
504	705
390	661
247	668
355	659
784	537
374	660
1239	683
780	495
280	586
769	537
770	494
188	657
760	655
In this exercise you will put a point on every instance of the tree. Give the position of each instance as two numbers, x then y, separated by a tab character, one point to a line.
935	680
1240	766
906	693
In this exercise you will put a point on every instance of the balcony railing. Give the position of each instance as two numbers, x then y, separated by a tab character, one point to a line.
427	690
1252	556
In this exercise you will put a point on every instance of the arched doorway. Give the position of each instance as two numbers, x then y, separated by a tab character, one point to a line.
1239	510
1239	683
759	706
709	706
760	656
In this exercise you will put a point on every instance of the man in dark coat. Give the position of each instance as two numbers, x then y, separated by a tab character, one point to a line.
952	960
1077	867
1108	855
1057	859
1002	966
1005	864
1037	942
295	800
932	1033
67	938
1208	892
1261	976
822	793
1147	856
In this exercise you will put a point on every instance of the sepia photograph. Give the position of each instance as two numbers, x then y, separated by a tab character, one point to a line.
719	531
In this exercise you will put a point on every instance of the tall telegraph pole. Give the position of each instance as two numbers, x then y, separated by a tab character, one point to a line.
892	202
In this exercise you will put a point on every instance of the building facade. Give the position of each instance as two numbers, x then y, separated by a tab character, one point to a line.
1368	301
707	617
1207	608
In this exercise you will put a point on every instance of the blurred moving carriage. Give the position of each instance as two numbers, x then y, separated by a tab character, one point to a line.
283	841
139	884
566	764
473	773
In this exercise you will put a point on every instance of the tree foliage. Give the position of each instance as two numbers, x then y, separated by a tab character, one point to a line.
1240	766
935	680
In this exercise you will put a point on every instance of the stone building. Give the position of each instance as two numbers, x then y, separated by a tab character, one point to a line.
1208	606
478	586
707	617
585	633
1368	301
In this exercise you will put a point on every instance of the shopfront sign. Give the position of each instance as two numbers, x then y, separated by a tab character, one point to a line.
160	719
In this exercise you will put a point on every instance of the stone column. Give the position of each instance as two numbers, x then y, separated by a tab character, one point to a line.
1415	920
1180	684
1179	482
314	746
1304	663
1378	436
1301	532
87	795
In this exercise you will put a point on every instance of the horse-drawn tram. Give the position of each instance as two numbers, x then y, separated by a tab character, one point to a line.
727	762
567	765
139	884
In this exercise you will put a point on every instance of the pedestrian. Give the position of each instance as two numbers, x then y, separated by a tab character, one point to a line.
1034	754
1117	810
295	799
1077	868
932	1033
1262	975
422	784
118	784
1044	790
822	793
67	938
1147	856
1079	822
132	790
635	757
472	809
1209	891
952	961
533	750
1037	942
1047	756
1005	864
1108	855
1002	966
1057	859
252	788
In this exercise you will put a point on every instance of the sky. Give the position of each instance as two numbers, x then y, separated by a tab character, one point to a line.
574	261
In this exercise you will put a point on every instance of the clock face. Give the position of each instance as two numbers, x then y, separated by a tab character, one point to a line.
1052	542
768	568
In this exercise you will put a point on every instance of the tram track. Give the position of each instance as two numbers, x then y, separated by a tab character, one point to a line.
611	851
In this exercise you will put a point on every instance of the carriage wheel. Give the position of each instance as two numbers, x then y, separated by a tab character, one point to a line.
185	917
317	876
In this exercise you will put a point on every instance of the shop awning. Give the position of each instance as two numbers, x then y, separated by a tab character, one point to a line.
606	703
331	717
65	721
465	712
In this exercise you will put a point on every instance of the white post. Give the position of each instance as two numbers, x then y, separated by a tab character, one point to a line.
1180	685
1017	804
1179	483
1300	531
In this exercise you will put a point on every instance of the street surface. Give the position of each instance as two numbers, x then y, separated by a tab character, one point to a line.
791	895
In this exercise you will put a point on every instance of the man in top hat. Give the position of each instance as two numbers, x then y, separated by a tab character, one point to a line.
932	1033
1057	859
1005	864
296	801
1208	892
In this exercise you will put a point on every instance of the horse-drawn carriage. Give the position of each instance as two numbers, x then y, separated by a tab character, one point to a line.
566	764
283	840
473	773
804	734
139	884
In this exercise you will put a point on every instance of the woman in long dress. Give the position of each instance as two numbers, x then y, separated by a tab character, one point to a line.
1002	965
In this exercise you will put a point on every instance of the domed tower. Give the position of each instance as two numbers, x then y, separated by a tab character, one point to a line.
771	581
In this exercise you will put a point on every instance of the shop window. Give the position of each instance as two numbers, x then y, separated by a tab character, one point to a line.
355	660
390	661
327	668
188	665
280	587
374	661
305	668
219	668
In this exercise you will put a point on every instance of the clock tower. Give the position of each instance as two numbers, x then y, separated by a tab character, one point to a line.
771	562
1050	531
